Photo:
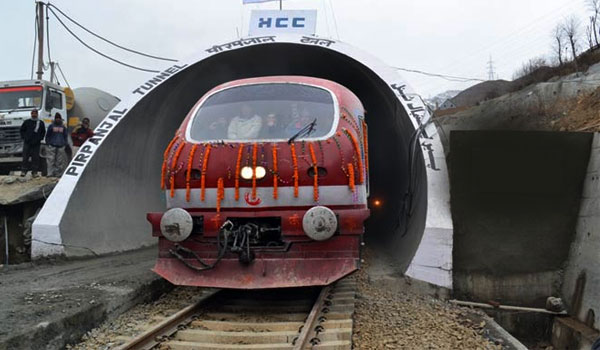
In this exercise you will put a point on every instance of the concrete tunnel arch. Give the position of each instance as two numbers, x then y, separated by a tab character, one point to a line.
100	203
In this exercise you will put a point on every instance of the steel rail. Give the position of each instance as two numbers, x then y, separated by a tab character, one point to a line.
327	325
311	320
150	338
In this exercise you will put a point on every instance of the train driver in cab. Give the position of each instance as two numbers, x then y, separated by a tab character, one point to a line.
245	126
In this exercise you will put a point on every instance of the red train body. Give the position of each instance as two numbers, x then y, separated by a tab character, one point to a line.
266	182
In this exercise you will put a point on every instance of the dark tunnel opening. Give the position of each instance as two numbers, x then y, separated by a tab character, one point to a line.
126	171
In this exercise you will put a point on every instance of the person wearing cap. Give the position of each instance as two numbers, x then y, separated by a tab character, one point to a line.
32	131
56	140
80	134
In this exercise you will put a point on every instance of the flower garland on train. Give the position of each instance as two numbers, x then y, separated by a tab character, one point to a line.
172	154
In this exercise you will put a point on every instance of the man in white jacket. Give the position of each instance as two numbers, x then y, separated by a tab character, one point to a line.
246	126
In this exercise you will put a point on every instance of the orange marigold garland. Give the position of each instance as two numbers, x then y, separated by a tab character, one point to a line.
358	155
365	145
316	173
275	194
175	138
188	175
351	177
254	152
237	172
203	178
163	174
164	165
349	118
220	193
295	164
173	164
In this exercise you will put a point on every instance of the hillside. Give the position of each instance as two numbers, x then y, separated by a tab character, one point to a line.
581	113
568	103
481	92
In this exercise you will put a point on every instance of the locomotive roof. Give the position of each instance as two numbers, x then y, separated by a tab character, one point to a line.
331	85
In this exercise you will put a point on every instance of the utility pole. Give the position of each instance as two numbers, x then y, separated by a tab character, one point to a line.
52	72
40	24
280	5
491	73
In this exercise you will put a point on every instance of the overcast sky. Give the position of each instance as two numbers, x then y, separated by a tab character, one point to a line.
452	37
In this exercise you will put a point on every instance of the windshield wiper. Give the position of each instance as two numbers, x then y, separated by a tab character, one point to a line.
306	130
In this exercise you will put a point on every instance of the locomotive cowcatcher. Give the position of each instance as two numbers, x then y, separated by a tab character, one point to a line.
266	182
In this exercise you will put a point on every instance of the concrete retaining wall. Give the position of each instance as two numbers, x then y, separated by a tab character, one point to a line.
515	199
581	287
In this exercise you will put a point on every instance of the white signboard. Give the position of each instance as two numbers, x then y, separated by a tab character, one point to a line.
266	22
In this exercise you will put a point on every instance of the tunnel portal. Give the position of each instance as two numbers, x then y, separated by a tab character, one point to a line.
116	181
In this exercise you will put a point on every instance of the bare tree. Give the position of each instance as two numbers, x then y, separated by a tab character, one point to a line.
589	35
530	67
594	6
570	28
558	45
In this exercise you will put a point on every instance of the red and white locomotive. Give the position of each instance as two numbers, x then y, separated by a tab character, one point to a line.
266	182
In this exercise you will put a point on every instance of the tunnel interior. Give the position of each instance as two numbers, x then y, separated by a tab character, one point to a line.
122	181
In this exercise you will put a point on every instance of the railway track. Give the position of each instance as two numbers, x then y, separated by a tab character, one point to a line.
294	319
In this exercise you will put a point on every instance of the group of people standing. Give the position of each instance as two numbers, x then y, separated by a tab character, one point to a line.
33	131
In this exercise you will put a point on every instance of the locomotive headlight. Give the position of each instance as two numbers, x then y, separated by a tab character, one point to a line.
246	173
260	172
176	224
319	223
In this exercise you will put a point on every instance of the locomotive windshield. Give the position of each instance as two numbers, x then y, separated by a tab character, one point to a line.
270	111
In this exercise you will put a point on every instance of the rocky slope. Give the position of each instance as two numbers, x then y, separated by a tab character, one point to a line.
557	104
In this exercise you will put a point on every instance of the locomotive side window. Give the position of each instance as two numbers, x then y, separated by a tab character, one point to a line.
270	112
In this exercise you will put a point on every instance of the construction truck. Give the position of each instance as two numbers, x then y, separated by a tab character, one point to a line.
19	97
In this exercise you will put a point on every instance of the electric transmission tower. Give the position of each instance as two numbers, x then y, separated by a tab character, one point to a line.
491	72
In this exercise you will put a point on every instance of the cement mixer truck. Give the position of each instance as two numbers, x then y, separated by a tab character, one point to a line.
18	98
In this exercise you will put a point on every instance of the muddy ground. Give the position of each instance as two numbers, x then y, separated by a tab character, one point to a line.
60	300
17	189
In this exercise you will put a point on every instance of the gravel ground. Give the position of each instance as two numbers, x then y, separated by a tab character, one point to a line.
386	319
114	333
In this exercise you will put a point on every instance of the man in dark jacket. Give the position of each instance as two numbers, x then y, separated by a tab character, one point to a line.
56	140
32	133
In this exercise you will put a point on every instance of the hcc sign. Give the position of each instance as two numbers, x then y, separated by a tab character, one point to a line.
266	22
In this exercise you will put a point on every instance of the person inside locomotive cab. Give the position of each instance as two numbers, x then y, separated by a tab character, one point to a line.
215	128
218	128
299	121
245	126
272	128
